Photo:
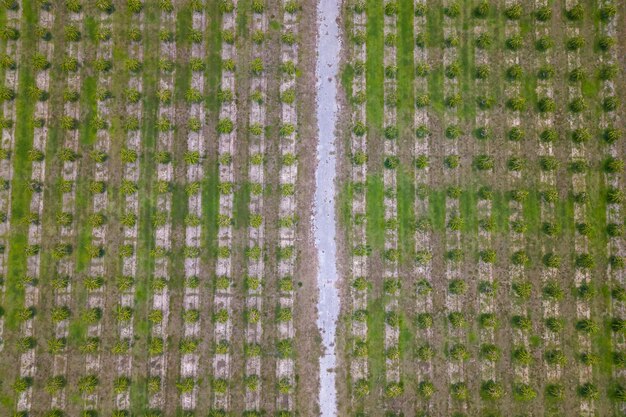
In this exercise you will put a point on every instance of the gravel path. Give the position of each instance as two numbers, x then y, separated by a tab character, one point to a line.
328	48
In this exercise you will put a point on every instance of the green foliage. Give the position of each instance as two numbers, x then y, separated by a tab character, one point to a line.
87	384
576	13
491	390
588	391
524	392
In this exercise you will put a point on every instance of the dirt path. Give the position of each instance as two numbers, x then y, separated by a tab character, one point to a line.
324	220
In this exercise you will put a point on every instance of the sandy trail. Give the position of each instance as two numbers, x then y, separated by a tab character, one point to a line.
327	68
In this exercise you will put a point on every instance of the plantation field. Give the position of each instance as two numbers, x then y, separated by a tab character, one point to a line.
155	249
482	208
171	243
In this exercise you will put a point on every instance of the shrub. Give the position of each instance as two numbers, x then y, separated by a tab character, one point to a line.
361	388
491	390
611	135
488	320
522	356
524	392
483	41
577	74
490	352
425	389
22	384
554	324
575	43
453	70
456	319
548	163
546	105
615	230
87	384
545	72
395	389
543	13
225	126
391	132
605	43
422	100
452	10
515	42
576	13
459	391
392	162
586	326
457	286
579	166
607	12
481	11
484	102
516	103
618	324
516	163
9	33
581	135
610	103
522	323
555	391
514	12
488	256
482	72
452	161
555	357
133	65
55	384
544	43
451	42
577	105
424	320
516	134
552	260
588	391
514	72
359	128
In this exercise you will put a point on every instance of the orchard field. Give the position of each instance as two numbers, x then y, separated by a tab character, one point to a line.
482	206
161	208
154	208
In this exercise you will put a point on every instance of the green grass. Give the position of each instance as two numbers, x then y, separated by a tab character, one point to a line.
532	211
243	7
179	211
406	69
241	206
347	76
210	209
22	169
375	212
501	212
466	58
596	214
87	138
374	72
345	198
469	212
3	43
437	209
21	197
147	207
210	204
434	22
213	60
406	214
376	348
